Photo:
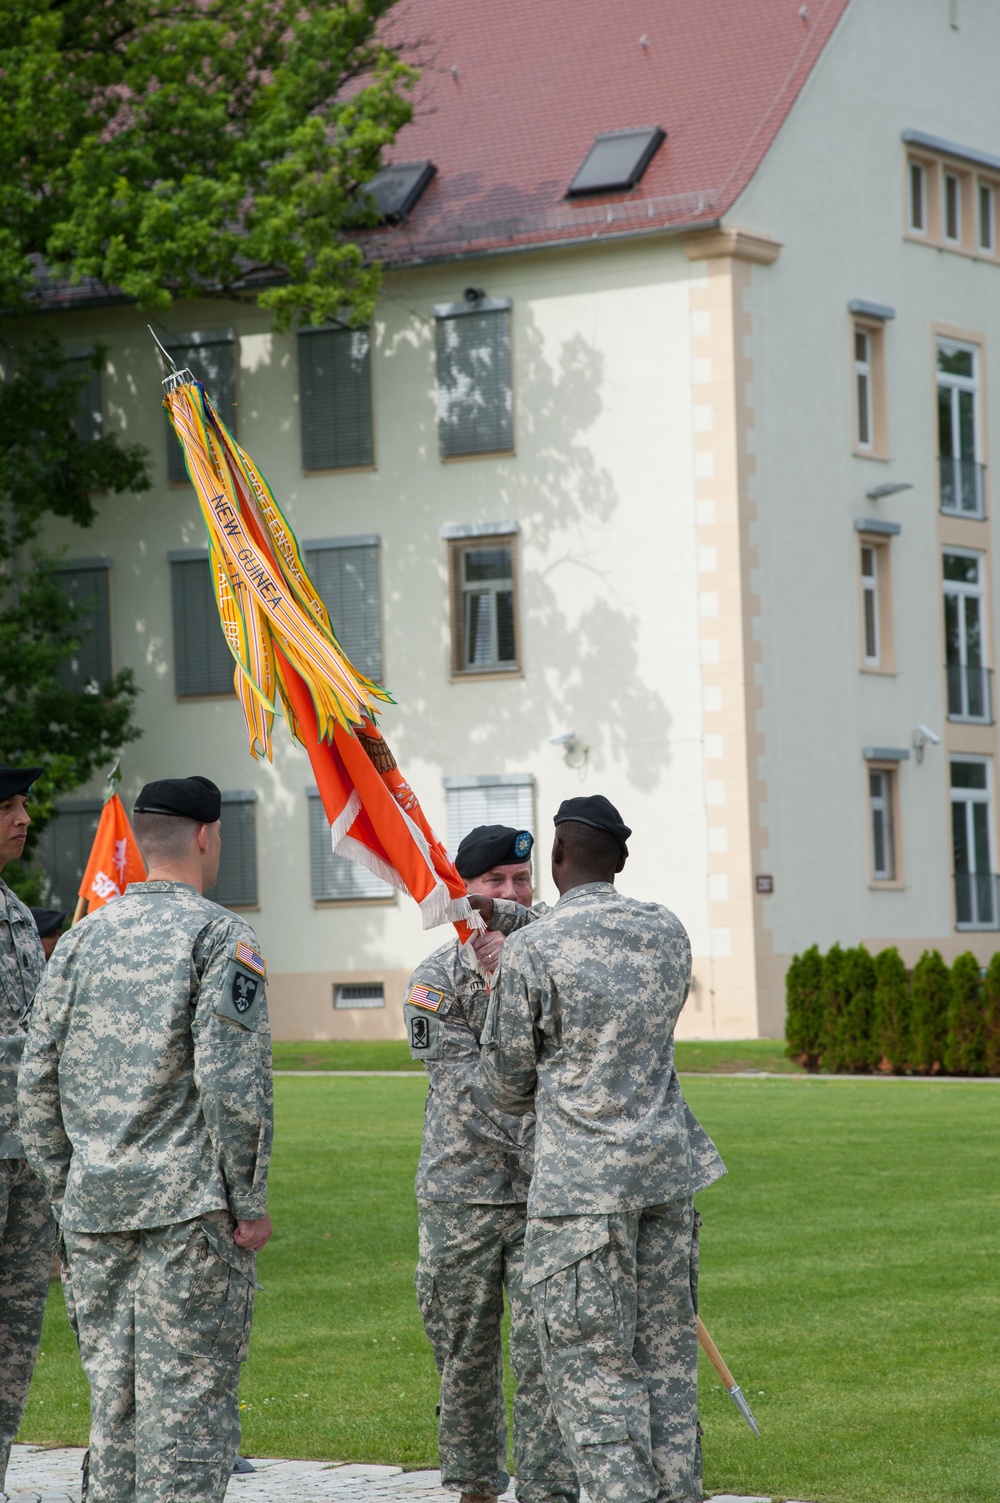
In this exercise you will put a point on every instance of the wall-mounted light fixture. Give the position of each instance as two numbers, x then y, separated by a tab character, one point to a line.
576	751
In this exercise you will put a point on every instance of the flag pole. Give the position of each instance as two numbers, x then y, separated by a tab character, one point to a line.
729	1383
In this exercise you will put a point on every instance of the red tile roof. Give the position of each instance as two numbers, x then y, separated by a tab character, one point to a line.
513	93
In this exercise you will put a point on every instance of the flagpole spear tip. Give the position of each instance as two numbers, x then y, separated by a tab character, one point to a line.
165	353
114	778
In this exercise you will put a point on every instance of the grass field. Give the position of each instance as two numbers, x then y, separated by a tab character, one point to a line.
849	1274
715	1057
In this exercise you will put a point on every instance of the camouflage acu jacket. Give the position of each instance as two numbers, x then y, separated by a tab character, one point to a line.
22	961
581	1028
145	1086
471	1154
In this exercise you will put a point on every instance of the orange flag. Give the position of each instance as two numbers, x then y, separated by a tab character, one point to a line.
114	859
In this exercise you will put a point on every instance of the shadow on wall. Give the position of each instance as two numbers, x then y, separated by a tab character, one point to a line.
579	638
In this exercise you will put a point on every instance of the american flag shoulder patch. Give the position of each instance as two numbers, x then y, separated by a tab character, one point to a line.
423	996
247	956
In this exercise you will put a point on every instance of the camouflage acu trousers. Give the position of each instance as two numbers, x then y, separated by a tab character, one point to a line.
468	1255
163	1320
27	1235
615	1299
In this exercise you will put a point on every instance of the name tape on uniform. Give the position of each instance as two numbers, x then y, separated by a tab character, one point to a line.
423	996
249	957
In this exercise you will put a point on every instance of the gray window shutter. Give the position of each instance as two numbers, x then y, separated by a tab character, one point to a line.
488	800
67	843
335	398
211	359
89	420
203	663
333	877
237	882
475	402
347	580
91	661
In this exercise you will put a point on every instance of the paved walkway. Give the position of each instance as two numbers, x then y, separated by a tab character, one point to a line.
39	1476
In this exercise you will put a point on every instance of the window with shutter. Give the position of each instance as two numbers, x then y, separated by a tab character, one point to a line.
488	799
335	398
89	420
236	886
345	572
87	582
203	663
333	878
66	846
211	359
474	397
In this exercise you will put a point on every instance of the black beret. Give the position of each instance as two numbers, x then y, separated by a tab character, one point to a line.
488	846
17	780
596	811
190	798
49	921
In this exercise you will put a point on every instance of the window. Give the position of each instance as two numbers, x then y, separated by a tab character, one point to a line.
397	188
881	807
863	386
869	603
484	598
972	838
66	845
616	161
335	398
474	397
86	581
961	474
987	218
350	994
203	664
965	637
868	355
918	198
211	359
236	886
89	420
345	572
334	879
488	799
952	207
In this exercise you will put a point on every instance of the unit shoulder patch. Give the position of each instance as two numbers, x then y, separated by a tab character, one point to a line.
426	997
422	1032
242	988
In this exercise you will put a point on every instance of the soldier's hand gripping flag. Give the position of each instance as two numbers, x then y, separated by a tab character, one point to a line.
279	633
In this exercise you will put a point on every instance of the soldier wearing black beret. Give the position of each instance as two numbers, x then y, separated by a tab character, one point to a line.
472	1184
27	1230
145	1094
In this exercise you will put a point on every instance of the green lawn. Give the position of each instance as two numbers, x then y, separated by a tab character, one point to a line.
849	1274
716	1057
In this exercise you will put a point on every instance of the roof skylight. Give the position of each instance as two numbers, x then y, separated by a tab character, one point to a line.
397	188
616	161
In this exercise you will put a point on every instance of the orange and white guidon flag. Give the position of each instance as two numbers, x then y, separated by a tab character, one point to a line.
114	858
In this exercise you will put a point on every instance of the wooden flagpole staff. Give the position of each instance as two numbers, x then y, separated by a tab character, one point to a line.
729	1383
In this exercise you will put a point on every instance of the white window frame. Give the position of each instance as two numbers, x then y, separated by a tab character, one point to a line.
882	811
986	211
869	603
968	797
917	173
955	385
949	181
962	591
864	417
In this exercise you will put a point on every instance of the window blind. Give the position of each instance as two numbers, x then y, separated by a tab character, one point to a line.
237	881
89	420
497	800
89	663
346	577
475	401
66	847
211	359
335	398
202	661
332	877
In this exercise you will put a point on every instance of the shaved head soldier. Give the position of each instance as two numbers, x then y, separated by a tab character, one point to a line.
472	1184
581	1031
146	1094
27	1231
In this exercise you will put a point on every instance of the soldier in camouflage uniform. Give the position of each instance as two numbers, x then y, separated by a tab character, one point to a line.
581	1030
27	1231
472	1184
145	1095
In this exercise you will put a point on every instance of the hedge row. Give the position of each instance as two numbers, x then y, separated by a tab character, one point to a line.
852	1011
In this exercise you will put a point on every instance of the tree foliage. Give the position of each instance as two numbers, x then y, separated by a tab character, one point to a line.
891	1011
832	993
966	1041
46	720
857	986
173	150
804	1000
930	999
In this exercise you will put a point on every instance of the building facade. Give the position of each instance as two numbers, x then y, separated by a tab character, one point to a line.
674	488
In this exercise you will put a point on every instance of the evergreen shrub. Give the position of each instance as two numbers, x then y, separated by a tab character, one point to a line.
804	1016
930	997
991	1017
832	997
857	983
965	1046
891	1012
